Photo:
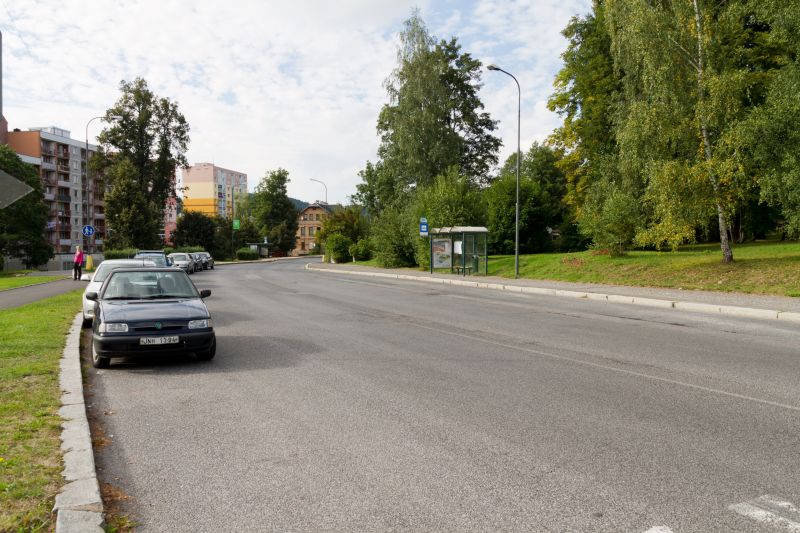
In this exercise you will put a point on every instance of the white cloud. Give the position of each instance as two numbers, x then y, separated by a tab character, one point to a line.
268	84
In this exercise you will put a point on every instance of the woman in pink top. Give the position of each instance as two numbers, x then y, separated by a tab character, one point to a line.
77	263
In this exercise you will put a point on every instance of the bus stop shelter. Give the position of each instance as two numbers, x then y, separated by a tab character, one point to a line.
461	249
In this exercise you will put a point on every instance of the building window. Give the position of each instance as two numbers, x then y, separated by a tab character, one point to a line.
303	232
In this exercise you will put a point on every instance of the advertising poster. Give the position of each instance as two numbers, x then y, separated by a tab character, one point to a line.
442	255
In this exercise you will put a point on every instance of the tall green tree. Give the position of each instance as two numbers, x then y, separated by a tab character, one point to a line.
587	94
542	207
149	137
274	211
348	221
692	72
22	223
771	135
194	229
433	120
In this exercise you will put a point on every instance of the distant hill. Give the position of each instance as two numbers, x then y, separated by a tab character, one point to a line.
299	204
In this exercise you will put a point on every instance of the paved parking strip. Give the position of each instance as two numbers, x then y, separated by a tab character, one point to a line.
348	404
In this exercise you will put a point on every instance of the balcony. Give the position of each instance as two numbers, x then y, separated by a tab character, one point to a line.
99	202
99	216
49	196
98	242
62	168
64	183
65	242
48	165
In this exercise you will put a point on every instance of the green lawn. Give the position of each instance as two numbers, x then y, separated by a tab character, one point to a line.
32	340
758	268
14	280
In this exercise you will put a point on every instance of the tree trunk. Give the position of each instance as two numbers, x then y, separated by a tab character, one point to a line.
724	242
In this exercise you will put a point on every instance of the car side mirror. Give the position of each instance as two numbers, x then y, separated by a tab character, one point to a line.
86	277
91	296
205	293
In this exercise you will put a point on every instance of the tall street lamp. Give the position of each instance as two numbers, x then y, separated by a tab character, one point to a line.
326	189
516	224
85	190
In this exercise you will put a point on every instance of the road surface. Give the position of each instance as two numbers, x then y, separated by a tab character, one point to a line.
340	403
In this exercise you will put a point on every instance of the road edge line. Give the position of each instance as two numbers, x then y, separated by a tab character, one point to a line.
694	307
78	506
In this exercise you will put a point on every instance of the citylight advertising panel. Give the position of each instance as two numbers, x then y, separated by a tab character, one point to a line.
442	255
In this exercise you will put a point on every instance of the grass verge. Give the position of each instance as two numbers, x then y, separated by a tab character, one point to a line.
758	268
32	340
12	282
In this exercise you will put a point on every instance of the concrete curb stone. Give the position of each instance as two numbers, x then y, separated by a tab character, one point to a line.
695	307
79	506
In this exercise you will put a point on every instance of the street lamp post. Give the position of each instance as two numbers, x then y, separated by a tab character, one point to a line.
326	189
85	190
516	223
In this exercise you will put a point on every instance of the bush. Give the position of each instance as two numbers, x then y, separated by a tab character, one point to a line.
246	254
123	253
337	246
362	250
393	238
610	217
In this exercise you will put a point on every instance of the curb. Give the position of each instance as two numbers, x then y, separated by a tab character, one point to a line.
79	506
694	307
267	260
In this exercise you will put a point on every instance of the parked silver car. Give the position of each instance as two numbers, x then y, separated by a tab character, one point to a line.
182	260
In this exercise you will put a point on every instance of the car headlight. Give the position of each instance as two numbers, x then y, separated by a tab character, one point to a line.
200	324
113	327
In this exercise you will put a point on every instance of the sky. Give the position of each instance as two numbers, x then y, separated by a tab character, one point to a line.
267	84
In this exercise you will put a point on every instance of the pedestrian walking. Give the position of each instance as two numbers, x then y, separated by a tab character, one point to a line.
77	263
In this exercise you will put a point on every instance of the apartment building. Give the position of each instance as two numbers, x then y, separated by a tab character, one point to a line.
309	222
73	198
213	190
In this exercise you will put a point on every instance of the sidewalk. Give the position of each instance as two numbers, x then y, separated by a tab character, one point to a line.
31	293
701	301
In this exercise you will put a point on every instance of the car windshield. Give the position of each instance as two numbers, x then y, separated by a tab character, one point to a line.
149	286
158	259
178	257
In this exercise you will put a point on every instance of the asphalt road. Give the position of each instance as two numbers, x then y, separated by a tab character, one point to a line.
340	403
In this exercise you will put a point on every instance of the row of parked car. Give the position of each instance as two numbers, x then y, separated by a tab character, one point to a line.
192	262
148	305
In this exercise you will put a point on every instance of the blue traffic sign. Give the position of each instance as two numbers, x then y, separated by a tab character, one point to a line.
423	227
88	231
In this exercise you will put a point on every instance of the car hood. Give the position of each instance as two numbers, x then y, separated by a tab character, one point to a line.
140	310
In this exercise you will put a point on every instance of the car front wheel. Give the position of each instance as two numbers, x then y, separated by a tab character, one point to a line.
99	362
208	355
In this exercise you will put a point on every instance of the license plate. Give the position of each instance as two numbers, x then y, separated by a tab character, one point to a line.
146	341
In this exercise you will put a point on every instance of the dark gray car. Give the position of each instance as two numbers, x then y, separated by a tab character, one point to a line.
150	311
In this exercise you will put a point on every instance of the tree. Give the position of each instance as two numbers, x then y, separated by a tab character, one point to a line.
587	93
542	207
770	134
22	223
693	70
348	221
194	229
433	120
149	138
274	211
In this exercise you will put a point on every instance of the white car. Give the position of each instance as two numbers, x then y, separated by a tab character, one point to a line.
99	276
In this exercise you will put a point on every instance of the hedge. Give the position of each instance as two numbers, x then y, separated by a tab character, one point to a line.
246	254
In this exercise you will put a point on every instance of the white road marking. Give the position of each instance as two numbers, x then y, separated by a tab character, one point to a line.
772	511
613	369
659	529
